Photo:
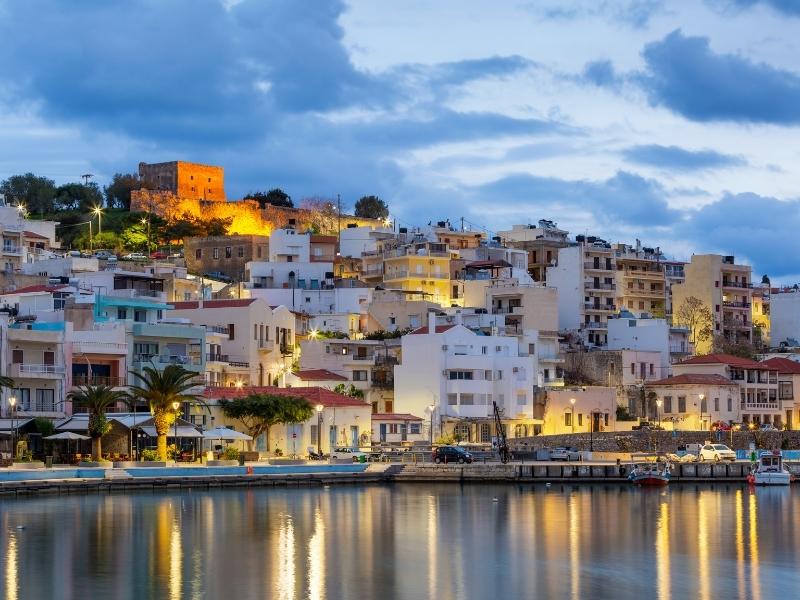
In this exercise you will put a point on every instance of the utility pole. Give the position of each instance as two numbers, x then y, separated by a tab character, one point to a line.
86	177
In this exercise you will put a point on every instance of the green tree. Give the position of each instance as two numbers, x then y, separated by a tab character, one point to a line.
742	349
97	399
696	316
118	192
352	391
259	412
371	207
134	237
160	389
35	193
275	197
78	196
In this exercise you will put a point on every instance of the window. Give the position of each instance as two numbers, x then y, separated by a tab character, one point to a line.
452	399
198	254
499	375
140	316
568	419
681	404
48	357
484	349
580	419
605	420
258	251
392	320
414	428
228	251
716	404
359	375
703	406
467	375
122	314
633	369
45	400
392	427
24	398
16	357
230	331
240	252
652	369
730	404
522	398
467	399
667	404
215	254
487	375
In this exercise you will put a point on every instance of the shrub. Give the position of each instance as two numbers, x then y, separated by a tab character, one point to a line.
149	454
230	453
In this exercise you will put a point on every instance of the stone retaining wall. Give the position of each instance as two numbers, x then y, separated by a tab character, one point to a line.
649	441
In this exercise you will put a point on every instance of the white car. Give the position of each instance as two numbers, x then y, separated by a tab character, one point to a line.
716	452
352	453
134	256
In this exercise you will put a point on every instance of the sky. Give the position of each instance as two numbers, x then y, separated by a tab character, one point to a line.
672	122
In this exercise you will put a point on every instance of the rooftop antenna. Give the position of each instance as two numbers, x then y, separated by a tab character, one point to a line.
86	177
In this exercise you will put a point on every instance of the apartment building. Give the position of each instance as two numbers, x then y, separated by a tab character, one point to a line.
641	283
458	374
674	273
396	310
24	240
758	400
694	401
628	332
585	277
784	317
254	342
367	365
788	382
419	267
542	242
226	254
725	288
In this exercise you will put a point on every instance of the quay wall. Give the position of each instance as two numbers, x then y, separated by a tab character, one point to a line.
665	441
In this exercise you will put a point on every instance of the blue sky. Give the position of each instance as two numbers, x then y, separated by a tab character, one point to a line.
672	122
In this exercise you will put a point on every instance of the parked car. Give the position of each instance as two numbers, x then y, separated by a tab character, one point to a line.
448	454
716	452
158	255
219	277
105	255
768	427
176	255
134	256
646	426
352	453
566	454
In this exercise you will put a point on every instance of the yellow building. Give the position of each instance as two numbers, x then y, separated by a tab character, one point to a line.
724	288
760	312
419	267
641	285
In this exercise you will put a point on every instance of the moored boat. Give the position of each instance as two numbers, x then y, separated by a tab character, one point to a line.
650	474
769	470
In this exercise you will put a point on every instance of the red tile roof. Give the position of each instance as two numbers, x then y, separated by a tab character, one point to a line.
35	288
439	329
315	395
319	375
784	365
31	234
394	417
235	303
323	239
725	359
694	379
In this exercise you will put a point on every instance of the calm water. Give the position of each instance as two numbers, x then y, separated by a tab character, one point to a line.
406	541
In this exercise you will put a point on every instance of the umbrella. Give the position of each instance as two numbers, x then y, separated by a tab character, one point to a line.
67	435
223	433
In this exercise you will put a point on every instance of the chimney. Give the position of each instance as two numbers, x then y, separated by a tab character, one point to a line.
431	322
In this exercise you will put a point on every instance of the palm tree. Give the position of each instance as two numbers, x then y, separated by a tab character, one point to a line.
96	399
7	382
160	389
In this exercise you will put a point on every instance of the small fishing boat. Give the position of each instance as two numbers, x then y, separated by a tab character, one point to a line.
769	470
655	473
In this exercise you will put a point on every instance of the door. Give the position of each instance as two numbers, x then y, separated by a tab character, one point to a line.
332	437
383	432
596	421
354	436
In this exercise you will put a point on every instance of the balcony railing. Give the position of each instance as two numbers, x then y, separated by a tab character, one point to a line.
591	285
287	349
736	304
736	284
383	384
594	325
601	266
30	369
361	357
12	249
217	329
99	380
168	359
89	347
606	307
385	360
266	345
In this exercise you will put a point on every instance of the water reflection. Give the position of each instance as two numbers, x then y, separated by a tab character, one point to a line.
580	542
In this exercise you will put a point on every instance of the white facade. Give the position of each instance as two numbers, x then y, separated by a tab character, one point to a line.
627	332
317	302
354	241
287	245
567	278
288	275
460	373
784	317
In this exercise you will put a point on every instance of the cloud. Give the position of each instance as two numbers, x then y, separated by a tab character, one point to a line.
634	13
786	7
686	76
601	73
680	159
771	243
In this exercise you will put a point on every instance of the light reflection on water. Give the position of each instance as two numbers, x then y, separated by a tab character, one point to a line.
406	541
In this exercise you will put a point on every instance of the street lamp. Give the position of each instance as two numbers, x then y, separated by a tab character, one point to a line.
175	406
313	334
431	408
572	402
239	384
736	428
320	408
13	402
659	402
700	423
98	212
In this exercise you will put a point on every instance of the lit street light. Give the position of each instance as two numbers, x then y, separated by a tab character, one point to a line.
175	406
98	212
572	418
13	402
320	408
700	422
659	402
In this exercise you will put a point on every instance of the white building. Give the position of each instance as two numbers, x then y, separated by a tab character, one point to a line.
460	373
355	241
785	318
627	332
579	410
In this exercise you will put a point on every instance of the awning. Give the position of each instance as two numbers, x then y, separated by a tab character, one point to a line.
183	432
223	433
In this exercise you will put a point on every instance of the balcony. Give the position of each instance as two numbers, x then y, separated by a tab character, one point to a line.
383	360
34	371
590	285
600	307
221	329
743	305
164	360
644	293
362	357
287	349
553	381
12	250
158	295
637	274
89	347
736	284
595	325
81	380
168	330
383	383
589	265
266	345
